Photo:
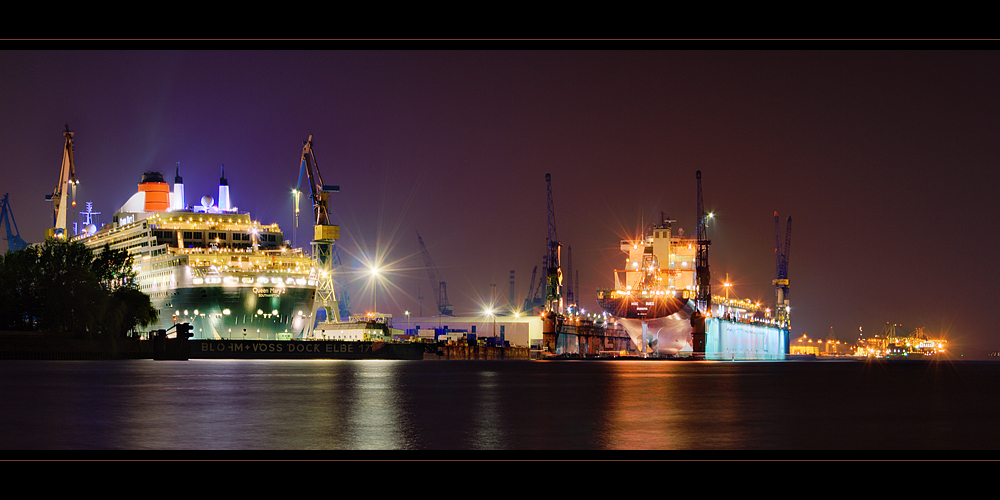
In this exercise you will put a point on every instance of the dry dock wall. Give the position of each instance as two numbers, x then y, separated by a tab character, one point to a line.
465	351
588	340
744	341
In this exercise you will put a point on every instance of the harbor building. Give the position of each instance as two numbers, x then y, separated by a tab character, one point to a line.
518	331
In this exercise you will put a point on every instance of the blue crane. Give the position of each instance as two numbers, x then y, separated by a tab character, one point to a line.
781	270
441	288
14	241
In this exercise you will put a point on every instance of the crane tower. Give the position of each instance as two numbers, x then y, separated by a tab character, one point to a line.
14	241
67	181
444	307
781	272
553	287
704	276
325	234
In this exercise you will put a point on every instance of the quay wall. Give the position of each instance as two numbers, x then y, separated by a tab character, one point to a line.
33	345
588	340
465	351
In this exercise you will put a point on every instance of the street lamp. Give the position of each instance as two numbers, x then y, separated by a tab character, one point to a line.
375	290
407	313
490	312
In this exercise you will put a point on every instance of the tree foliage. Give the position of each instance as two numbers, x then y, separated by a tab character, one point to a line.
63	287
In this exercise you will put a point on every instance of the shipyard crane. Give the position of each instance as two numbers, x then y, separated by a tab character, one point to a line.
444	307
570	296
553	284
531	289
534	299
325	234
67	181
704	276
781	271
14	241
344	302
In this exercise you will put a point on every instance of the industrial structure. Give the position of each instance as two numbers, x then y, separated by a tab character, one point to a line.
533	302
67	184
553	283
325	234
13	236
440	287
520	330
893	344
781	272
703	276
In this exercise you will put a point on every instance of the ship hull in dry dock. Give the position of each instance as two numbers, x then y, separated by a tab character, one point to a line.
641	308
307	349
660	326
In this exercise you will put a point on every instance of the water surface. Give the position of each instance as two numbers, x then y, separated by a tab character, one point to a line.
498	405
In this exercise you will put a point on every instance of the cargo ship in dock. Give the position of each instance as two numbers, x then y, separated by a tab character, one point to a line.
233	287
663	299
654	295
655	300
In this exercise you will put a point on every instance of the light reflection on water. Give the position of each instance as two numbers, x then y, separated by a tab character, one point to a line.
496	405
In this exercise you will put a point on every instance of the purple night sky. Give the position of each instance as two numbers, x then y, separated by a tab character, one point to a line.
885	160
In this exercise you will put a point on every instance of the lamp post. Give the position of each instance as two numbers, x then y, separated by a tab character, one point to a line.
375	290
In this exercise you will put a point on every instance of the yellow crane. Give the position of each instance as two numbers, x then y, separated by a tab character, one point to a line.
67	182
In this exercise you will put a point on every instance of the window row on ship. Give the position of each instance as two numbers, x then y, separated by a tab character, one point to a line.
203	239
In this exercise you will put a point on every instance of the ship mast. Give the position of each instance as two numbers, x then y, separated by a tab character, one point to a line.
326	234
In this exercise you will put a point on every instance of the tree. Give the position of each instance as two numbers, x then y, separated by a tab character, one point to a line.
113	268
62	287
137	309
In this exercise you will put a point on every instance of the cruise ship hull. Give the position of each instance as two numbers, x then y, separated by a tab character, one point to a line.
244	312
312	349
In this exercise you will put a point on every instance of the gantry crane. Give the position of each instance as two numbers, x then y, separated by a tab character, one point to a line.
553	283
781	271
325	234
444	307
704	276
14	241
67	181
344	292
570	300
529	299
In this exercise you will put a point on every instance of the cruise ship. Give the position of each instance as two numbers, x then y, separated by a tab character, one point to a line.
210	265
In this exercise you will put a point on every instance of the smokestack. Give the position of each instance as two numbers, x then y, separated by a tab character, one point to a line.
177	199
223	191
157	193
510	299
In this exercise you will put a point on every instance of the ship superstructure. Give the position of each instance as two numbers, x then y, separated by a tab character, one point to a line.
654	295
210	265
